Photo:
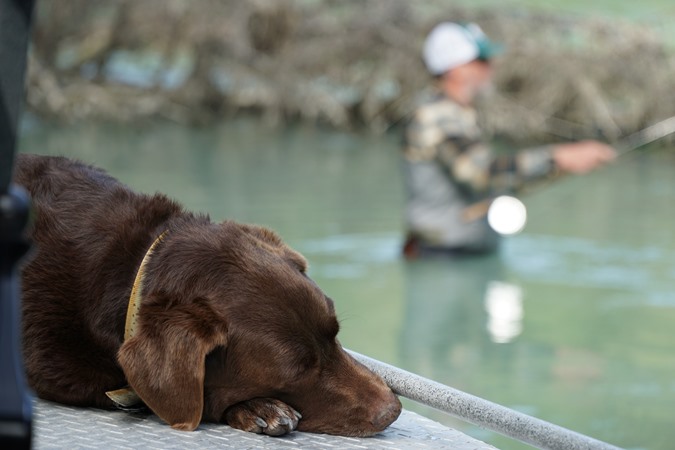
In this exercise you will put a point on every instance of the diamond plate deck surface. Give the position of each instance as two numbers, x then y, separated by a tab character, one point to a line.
62	427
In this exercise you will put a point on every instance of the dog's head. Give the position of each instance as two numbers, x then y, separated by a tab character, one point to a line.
228	315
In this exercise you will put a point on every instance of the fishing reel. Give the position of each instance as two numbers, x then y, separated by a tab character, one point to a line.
507	215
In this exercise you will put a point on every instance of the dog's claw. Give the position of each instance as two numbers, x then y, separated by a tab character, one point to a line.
297	414
260	422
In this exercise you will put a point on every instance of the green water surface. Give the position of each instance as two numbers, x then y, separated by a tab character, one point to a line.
573	321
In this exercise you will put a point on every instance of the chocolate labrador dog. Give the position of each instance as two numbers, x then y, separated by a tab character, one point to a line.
223	323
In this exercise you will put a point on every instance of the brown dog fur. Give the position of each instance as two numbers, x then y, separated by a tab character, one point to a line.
230	328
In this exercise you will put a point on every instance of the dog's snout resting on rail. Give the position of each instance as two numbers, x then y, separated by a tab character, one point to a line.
227	326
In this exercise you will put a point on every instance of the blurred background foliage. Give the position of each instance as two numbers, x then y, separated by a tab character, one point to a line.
348	64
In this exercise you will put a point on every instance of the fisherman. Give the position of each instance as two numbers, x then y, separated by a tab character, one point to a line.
448	166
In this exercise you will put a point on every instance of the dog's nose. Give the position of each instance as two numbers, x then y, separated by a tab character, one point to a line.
388	414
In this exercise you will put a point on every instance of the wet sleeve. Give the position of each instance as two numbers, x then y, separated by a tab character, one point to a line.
444	134
475	166
535	162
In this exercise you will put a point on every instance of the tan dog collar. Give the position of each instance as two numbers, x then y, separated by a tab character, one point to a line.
127	397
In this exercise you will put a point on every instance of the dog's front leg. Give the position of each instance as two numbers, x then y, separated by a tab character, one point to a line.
263	415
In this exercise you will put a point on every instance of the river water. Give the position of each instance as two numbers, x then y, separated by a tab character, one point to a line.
573	321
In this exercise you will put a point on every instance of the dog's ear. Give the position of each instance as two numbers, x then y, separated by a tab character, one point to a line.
164	361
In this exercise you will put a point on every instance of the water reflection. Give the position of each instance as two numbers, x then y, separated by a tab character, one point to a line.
461	317
445	307
504	306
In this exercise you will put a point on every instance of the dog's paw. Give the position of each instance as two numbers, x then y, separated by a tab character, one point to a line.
263	415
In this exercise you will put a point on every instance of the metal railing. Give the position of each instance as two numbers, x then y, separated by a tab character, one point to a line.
485	414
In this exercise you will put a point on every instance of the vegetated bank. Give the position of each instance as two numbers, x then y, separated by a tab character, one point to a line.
349	64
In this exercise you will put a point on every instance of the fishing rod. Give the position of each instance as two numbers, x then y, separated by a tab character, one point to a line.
507	214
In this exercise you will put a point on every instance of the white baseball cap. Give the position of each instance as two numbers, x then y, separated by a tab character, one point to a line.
450	45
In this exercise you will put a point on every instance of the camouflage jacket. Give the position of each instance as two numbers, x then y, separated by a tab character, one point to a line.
448	166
